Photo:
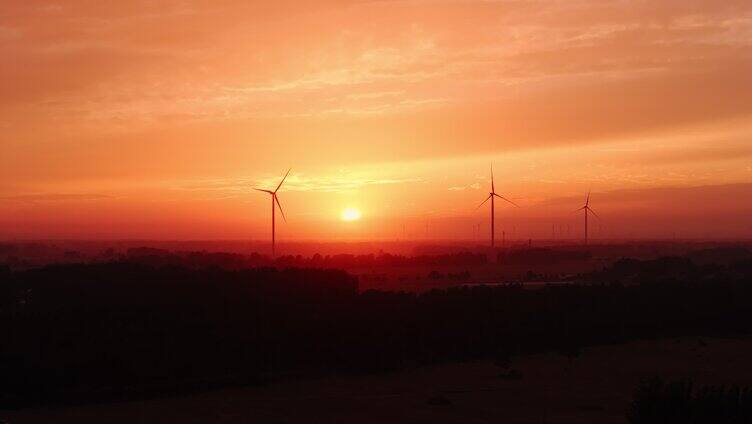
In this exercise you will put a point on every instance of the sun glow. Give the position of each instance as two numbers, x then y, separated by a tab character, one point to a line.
351	214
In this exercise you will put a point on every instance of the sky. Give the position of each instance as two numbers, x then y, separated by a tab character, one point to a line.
156	119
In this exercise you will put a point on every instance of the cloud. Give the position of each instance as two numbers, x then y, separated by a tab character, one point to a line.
199	61
337	183
356	81
474	186
56	197
295	182
693	200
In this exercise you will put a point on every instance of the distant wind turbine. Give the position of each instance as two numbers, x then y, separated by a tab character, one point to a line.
491	196
275	199
587	210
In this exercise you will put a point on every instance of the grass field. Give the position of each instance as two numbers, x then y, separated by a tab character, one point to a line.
596	387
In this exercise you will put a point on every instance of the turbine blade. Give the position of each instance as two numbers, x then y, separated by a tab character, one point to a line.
493	190
593	212
484	202
577	210
587	201
283	180
504	198
265	191
276	199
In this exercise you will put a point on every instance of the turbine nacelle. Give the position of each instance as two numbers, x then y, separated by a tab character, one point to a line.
586	207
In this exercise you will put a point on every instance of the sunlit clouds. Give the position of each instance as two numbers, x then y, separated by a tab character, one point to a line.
111	111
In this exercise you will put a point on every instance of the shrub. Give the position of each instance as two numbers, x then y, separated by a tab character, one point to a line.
656	401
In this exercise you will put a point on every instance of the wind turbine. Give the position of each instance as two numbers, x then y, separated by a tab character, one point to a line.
275	199
587	210
491	196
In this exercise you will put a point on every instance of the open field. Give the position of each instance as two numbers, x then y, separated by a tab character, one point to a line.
594	388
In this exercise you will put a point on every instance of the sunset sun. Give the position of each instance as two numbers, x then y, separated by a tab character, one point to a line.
350	214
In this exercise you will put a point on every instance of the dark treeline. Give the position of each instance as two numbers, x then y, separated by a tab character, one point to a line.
680	402
151	256
542	256
668	269
120	330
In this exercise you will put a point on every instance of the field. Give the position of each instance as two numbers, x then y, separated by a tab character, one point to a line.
596	387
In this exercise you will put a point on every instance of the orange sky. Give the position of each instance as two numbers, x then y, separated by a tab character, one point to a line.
153	119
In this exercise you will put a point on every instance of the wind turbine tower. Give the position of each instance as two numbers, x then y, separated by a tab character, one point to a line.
491	196
275	204
588	210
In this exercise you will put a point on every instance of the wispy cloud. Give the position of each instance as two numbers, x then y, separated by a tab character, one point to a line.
693	198
474	186
335	183
369	51
294	182
56	197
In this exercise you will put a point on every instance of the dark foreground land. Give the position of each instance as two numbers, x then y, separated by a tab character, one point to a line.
285	341
596	387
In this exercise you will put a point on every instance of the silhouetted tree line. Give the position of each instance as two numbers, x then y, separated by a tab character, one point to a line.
720	255
679	402
119	330
458	276
670	269
160	257
541	255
